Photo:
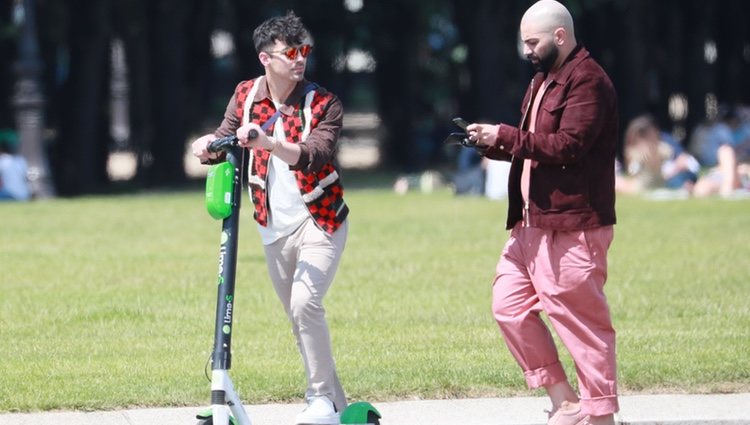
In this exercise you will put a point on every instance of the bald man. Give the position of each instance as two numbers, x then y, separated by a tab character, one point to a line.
561	211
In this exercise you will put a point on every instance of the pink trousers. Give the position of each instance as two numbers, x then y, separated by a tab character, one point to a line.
560	273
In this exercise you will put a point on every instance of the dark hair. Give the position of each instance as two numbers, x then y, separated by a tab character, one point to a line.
639	128
287	29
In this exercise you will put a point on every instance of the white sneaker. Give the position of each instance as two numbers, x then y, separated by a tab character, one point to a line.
319	411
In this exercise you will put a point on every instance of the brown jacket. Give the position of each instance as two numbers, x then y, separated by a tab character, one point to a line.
320	146
572	181
317	177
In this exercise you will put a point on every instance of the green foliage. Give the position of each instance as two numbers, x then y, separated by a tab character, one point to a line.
109	302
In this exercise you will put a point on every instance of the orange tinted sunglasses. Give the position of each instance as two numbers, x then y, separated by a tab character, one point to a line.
291	52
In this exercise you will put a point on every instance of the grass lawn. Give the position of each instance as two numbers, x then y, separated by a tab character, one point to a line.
108	302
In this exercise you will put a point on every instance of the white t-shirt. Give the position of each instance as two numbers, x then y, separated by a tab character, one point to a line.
287	211
13	177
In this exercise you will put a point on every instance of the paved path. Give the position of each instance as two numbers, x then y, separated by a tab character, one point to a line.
714	409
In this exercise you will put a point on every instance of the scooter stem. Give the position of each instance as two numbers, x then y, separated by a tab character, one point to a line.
222	389
222	354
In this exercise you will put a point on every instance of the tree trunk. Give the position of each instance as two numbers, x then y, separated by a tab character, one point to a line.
168	26
130	18
395	55
84	142
7	77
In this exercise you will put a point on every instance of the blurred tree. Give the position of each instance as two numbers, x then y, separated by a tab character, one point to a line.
327	30
176	28
433	58
498	74
131	24
7	51
733	35
80	159
245	17
701	75
394	32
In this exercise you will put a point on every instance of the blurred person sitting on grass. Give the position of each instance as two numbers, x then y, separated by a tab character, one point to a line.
14	185
724	148
654	160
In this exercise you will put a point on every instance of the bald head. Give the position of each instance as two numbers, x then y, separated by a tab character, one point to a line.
549	15
547	34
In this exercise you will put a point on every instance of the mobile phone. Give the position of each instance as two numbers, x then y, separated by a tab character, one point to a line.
455	139
461	123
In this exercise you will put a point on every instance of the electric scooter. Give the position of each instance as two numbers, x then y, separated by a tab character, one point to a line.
223	197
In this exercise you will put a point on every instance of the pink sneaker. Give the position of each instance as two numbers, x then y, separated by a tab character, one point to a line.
568	414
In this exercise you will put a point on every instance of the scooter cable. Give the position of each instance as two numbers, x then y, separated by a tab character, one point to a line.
205	369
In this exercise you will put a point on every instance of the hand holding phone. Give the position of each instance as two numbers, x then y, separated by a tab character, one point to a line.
460	138
461	123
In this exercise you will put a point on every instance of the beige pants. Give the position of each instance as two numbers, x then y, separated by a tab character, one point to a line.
302	266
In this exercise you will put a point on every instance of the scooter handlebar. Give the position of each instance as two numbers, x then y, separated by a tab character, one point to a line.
222	143
225	143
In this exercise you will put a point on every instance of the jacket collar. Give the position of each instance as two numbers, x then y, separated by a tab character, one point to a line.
287	108
561	75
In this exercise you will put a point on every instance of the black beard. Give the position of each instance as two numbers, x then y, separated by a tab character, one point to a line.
546	62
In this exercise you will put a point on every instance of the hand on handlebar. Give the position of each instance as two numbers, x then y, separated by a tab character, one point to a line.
200	148
251	135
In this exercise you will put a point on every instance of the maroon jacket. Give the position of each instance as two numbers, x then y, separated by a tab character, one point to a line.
572	180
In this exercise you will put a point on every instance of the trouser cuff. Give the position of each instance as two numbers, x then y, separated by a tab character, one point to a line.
600	406
545	376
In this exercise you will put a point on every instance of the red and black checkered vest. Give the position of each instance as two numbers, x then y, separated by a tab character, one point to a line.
321	191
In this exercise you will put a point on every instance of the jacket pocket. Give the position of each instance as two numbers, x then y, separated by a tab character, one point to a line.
549	119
